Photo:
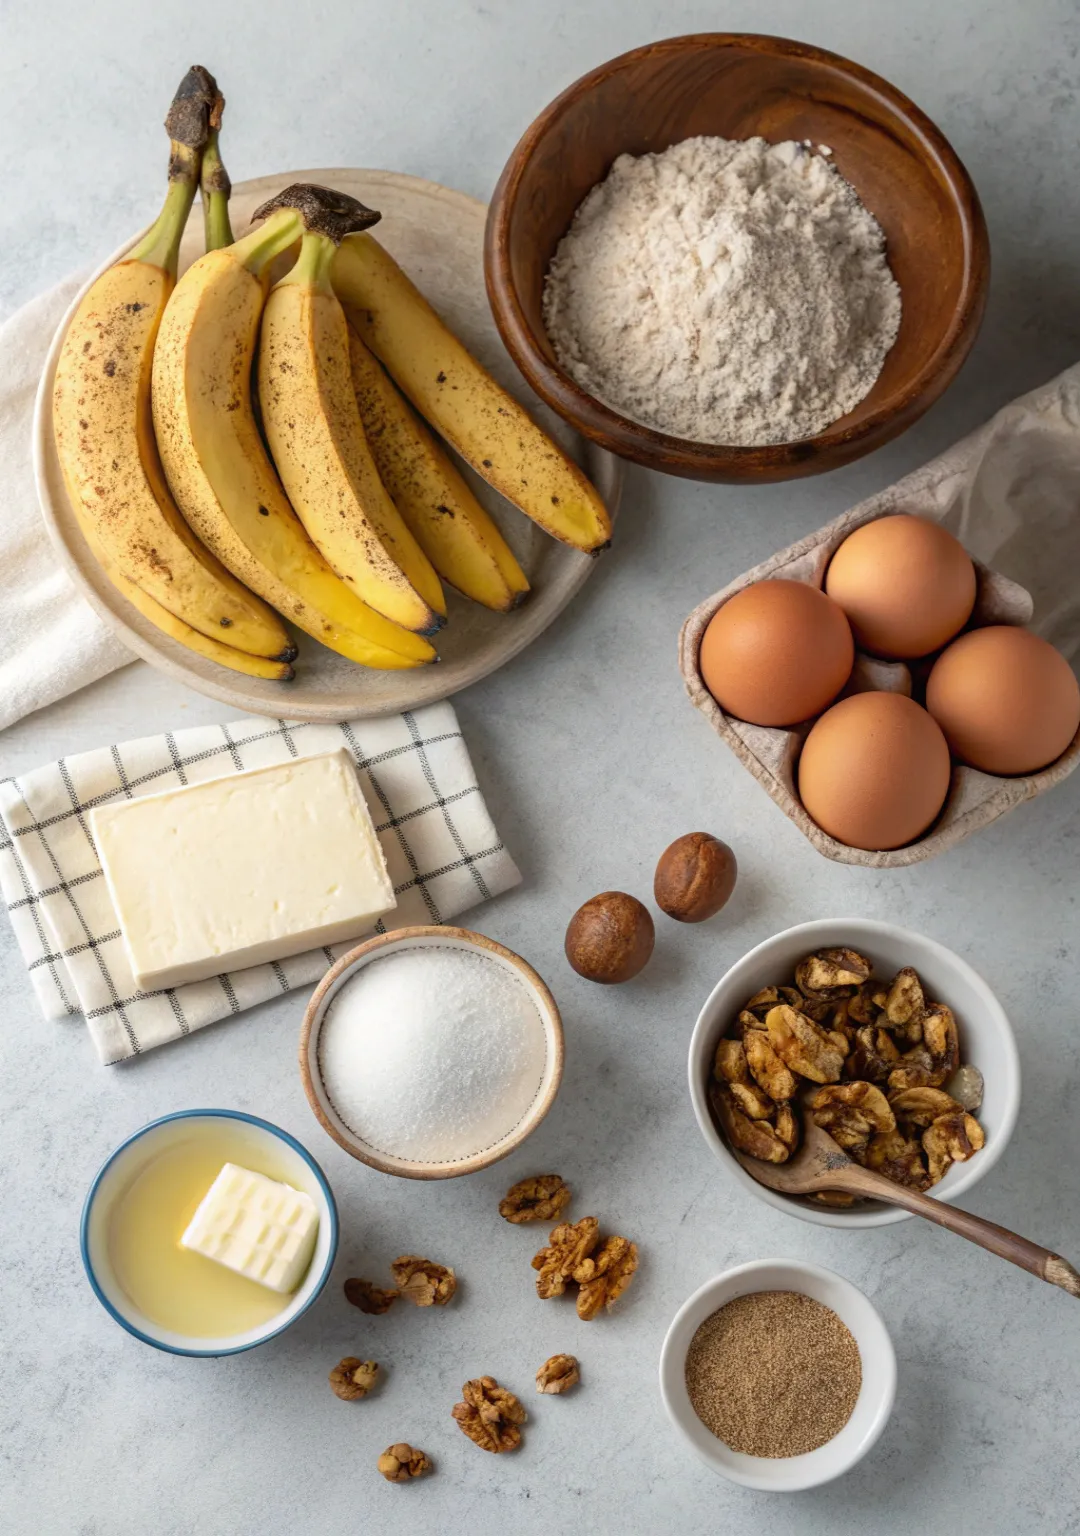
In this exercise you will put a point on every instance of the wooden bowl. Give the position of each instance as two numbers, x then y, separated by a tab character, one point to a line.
736	85
421	938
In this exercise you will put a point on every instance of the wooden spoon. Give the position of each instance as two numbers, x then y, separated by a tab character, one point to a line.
821	1164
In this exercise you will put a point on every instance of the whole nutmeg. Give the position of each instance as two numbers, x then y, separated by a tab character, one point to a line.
610	938
694	877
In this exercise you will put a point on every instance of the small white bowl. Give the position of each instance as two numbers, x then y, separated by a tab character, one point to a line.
986	1041
428	938
873	1406
128	1161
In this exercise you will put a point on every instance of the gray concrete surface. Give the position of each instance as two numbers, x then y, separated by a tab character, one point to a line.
592	761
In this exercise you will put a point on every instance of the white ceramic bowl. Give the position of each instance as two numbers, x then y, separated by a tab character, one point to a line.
872	1408
428	938
986	1041
128	1161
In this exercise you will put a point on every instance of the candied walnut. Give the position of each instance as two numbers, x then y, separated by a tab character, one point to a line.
752	1100
831	973
768	997
557	1375
400	1463
802	1046
537	1199
891	1153
837	1198
422	1281
787	1126
951	1138
569	1245
918	1106
371	1299
942	1041
967	1087
730	1063
603	1279
768	1070
936	1059
861	1008
873	1055
852	1113
905	1004
756	1138
489	1415
352	1378
839	1021
745	1022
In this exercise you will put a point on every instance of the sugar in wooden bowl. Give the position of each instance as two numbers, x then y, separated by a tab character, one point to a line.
435	1057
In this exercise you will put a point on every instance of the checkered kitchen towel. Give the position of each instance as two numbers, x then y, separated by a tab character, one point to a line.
443	852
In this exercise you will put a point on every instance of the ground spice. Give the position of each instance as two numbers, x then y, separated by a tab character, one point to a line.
773	1373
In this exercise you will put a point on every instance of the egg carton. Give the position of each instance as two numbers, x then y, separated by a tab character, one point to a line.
975	799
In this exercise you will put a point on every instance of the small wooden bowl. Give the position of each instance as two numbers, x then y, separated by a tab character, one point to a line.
737	85
416	938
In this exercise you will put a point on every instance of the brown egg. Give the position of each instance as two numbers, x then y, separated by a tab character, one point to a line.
874	771
1007	701
776	653
906	585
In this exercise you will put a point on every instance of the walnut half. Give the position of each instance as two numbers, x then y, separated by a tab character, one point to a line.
603	1279
569	1245
558	1375
540	1198
401	1463
371	1299
352	1379
489	1415
423	1282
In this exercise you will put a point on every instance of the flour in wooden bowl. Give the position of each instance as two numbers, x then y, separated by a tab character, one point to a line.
725	291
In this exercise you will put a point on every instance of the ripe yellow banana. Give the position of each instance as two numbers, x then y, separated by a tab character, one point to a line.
105	440
455	532
461	400
219	470
176	629
313	427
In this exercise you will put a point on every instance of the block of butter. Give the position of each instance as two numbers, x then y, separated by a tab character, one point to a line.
255	1226
238	871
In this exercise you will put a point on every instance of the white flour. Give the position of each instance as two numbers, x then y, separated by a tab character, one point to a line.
727	291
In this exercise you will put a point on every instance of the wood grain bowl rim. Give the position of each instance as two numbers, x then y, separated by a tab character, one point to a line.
314	1015
838	444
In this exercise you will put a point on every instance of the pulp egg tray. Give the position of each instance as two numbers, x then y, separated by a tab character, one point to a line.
974	800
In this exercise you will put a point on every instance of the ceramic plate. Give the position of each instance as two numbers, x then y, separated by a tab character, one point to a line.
437	236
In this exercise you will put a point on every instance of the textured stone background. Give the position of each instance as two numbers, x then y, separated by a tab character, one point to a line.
592	761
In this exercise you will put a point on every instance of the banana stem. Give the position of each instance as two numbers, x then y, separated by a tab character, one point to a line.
214	188
188	126
257	250
312	266
160	246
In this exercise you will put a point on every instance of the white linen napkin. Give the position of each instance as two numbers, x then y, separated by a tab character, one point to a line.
51	640
443	852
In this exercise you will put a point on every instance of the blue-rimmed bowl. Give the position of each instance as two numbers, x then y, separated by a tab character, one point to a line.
297	1167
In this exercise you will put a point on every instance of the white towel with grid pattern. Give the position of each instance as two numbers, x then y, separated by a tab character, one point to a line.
442	850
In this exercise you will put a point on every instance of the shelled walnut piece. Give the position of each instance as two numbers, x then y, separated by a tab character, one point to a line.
883	1055
558	1375
371	1299
540	1198
402	1462
423	1282
489	1415
352	1379
570	1257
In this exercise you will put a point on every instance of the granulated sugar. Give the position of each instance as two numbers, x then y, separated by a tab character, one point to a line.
774	1373
726	291
432	1054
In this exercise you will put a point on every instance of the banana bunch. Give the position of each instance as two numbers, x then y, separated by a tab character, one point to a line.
328	503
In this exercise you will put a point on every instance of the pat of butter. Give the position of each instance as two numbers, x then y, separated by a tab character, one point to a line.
240	871
255	1226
